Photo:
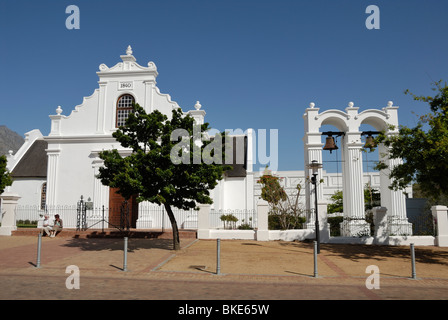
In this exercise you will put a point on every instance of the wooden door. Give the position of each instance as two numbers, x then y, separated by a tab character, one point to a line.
115	202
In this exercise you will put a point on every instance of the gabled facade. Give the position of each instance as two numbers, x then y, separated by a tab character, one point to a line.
76	139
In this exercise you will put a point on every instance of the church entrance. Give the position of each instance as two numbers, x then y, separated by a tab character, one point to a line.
121	215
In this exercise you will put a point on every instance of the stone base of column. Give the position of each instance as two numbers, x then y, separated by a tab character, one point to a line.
7	231
398	227
262	235
310	225
355	228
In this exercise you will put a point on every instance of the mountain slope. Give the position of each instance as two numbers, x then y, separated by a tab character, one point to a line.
9	140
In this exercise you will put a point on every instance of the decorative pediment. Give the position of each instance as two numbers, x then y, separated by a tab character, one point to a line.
129	65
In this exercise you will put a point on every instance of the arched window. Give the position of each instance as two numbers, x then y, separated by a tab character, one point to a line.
43	196
124	107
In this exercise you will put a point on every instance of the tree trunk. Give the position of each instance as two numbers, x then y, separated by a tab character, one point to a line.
176	240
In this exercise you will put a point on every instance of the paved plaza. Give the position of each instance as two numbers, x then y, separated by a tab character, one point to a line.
249	270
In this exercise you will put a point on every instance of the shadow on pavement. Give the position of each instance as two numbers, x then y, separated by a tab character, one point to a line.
95	244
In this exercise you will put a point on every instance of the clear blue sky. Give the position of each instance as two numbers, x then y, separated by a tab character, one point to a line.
251	63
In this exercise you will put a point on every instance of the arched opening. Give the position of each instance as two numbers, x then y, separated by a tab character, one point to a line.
123	109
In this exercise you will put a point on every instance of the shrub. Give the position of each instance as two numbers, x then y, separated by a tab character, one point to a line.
274	222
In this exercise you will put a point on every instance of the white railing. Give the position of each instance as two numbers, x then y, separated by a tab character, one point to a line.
149	217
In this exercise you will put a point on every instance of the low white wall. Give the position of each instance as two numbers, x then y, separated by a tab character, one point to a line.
390	241
291	235
232	234
286	235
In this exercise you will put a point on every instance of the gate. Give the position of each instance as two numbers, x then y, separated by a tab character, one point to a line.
81	215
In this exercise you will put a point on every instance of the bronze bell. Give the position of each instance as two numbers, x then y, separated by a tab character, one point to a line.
330	144
370	143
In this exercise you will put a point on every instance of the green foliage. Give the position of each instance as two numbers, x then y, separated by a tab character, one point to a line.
276	222
5	177
371	199
26	224
337	205
334	223
229	221
272	191
423	148
283	206
149	171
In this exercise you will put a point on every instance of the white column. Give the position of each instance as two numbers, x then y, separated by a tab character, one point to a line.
149	95
9	202
52	176
380	221
312	142
354	223
100	191
204	221
393	200
314	152
441	218
262	233
101	114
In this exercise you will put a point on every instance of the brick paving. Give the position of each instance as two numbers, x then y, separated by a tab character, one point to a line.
250	270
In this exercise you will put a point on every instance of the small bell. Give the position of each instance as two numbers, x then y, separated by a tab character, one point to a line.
370	143
330	144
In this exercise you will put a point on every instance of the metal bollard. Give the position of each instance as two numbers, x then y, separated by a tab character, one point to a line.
39	245
125	257
315	259
218	256
414	275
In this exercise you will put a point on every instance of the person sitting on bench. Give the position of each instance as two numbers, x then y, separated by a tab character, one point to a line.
57	226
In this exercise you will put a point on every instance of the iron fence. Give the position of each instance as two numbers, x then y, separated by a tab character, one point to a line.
149	217
233	219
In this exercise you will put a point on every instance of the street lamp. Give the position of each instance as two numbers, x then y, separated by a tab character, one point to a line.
315	166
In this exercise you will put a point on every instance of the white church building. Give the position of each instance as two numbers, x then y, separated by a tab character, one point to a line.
56	170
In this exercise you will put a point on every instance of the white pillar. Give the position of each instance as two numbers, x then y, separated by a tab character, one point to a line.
204	221
262	233
149	95
312	142
440	214
52	171
393	200
354	223
100	191
101	112
9	203
380	221
313	152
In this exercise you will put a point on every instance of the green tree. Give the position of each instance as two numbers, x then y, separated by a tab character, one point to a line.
150	172
371	199
283	206
423	148
337	205
5	177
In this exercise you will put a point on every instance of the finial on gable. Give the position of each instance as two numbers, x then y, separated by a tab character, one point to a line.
129	51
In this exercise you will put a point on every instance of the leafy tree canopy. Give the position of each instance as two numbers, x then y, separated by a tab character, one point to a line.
150	171
424	148
5	178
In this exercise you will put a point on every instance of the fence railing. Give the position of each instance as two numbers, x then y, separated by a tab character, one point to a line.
149	217
155	217
222	219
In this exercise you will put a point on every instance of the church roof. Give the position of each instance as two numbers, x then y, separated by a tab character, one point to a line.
33	163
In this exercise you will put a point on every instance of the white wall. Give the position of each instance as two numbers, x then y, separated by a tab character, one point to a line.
29	190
